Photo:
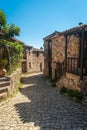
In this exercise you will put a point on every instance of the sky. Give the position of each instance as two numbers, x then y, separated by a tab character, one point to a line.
39	18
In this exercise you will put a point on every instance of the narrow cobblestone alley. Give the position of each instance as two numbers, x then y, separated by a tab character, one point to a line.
40	107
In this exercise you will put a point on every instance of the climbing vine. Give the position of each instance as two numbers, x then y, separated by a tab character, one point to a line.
11	54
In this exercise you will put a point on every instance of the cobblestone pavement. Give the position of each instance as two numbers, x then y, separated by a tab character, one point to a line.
40	107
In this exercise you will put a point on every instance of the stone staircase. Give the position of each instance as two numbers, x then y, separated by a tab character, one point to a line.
4	87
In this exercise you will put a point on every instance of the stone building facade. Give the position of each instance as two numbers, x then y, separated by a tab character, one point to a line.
33	60
58	50
69	56
48	54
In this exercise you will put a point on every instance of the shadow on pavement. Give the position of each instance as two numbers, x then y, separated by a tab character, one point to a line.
36	110
47	108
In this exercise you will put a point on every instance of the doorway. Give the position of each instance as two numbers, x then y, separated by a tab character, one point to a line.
41	67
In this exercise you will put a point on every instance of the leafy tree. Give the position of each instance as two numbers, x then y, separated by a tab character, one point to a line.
14	30
12	53
2	19
11	30
80	23
41	47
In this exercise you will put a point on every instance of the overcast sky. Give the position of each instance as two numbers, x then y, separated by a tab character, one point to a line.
39	18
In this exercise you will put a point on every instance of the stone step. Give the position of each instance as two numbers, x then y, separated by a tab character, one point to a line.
3	89
3	79
4	83
3	95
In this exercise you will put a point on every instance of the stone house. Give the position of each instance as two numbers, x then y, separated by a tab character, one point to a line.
69	57
48	54
33	60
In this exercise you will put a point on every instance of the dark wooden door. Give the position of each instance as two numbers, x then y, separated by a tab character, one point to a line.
41	67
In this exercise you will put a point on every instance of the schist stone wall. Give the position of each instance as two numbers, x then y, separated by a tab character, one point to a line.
58	52
73	39
58	55
70	81
58	49
73	82
14	80
35	60
46	58
73	46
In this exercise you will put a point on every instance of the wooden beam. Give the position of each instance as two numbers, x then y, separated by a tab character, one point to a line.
82	47
66	52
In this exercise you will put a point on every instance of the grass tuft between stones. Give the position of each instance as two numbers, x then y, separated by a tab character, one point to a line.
52	81
63	90
53	84
74	94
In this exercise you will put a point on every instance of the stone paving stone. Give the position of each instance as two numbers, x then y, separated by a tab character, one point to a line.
40	107
85	128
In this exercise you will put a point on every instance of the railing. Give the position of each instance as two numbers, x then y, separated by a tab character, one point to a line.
60	70
72	65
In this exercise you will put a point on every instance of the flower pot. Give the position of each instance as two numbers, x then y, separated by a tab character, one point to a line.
2	72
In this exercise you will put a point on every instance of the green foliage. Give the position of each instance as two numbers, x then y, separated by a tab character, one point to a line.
12	51
63	90
2	19
14	93
13	55
11	30
14	47
53	84
72	93
3	63
52	81
8	30
41	47
79	96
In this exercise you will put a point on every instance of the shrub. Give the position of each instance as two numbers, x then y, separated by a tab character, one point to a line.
53	84
72	93
79	96
63	90
52	80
